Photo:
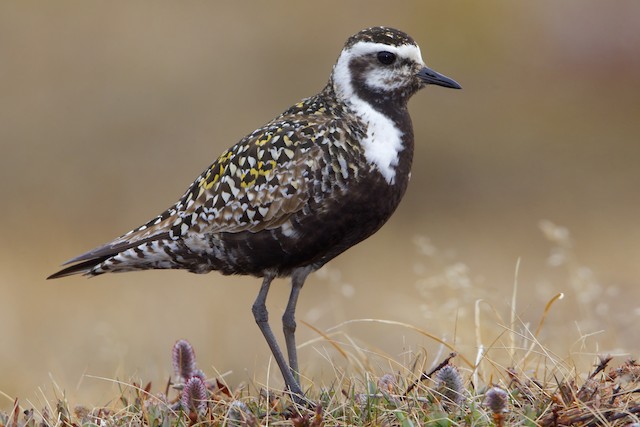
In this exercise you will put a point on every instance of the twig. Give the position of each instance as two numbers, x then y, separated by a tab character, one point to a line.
425	376
612	414
602	364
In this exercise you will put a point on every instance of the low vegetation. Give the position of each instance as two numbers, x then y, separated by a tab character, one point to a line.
531	386
446	395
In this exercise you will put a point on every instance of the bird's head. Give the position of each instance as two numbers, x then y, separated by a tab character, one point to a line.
381	65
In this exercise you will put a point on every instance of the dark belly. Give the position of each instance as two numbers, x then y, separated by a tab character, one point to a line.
317	234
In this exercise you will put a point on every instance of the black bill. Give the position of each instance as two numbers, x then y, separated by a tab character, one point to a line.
431	77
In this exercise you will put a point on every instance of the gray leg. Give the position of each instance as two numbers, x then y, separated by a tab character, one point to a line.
289	321
262	319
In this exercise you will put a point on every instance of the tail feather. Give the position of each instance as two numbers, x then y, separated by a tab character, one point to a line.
85	263
82	268
115	247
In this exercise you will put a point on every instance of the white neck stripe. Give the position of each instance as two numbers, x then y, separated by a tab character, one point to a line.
383	141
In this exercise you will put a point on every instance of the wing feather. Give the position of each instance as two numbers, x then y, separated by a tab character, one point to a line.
255	185
268	182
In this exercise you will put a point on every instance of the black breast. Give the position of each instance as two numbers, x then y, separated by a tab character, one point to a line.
336	218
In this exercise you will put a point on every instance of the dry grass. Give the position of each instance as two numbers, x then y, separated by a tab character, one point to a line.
511	378
609	395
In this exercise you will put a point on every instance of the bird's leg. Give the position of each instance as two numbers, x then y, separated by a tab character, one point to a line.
289	319
262	319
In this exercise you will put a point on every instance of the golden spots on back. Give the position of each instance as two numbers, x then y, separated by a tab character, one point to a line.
262	141
225	156
205	178
258	183
266	166
213	175
249	178
262	168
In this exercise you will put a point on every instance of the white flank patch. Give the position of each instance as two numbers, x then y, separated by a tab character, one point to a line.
288	230
383	142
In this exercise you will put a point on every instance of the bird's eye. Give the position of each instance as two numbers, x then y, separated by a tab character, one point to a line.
386	58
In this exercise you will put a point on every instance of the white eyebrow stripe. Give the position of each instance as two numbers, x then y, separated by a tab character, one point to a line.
410	51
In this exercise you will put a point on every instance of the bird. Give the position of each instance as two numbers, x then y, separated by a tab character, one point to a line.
295	193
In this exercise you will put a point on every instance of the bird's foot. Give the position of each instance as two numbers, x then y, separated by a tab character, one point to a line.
304	412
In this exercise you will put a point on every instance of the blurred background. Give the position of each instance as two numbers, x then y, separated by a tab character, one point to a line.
109	110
